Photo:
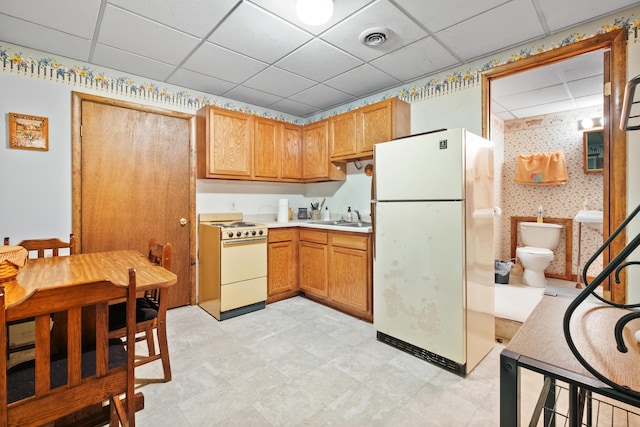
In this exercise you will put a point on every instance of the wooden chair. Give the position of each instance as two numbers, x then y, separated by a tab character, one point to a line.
46	247
42	248
151	314
53	386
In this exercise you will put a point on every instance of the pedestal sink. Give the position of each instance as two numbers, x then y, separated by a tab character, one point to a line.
590	218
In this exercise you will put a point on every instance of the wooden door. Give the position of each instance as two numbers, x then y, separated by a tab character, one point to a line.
133	181
266	149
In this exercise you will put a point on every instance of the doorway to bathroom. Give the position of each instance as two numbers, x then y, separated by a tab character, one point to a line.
613	48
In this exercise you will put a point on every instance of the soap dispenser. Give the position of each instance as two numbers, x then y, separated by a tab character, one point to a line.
349	214
540	211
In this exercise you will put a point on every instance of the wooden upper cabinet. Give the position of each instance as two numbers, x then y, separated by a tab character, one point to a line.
379	122
266	149
291	150
344	128
224	143
315	150
315	155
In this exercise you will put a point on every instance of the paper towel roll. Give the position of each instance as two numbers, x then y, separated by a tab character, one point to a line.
283	210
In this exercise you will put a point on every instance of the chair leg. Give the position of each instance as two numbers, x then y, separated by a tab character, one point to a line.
151	344
163	344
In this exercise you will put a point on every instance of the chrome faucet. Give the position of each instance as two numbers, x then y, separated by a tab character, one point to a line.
358	214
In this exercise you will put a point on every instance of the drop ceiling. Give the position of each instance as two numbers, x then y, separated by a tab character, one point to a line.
258	52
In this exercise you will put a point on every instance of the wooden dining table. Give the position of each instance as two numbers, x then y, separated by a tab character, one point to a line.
79	269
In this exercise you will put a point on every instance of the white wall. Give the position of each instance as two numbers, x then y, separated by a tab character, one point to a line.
35	186
460	109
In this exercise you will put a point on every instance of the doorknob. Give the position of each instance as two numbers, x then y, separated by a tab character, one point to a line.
183	221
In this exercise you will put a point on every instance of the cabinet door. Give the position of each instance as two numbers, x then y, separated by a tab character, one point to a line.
315	142
266	148
376	125
230	138
291	152
313	268
344	134
349	277
283	267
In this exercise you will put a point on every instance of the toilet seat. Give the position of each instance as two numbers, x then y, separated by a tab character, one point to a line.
534	251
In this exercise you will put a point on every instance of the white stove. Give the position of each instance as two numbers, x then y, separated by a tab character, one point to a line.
232	261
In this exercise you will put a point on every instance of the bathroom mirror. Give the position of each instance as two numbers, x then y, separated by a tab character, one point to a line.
593	150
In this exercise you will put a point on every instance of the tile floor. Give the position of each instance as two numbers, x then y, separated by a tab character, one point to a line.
298	363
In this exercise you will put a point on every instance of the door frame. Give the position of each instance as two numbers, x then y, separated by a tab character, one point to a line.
615	166
76	168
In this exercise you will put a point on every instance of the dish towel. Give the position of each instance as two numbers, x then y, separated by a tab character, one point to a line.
542	168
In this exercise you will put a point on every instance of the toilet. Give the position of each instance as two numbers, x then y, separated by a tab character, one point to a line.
539	238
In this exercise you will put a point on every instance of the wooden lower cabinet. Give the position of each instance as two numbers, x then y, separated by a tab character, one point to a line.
336	270
313	261
282	256
350	275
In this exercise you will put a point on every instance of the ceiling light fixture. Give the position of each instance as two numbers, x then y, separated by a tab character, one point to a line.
374	36
314	12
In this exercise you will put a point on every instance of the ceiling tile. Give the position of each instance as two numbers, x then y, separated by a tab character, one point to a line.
493	30
262	36
287	10
25	33
195	17
222	63
539	97
131	63
197	81
322	96
567	13
292	107
539	110
252	96
586	87
362	81
76	17
129	32
278	82
422	57
318	61
442	14
381	13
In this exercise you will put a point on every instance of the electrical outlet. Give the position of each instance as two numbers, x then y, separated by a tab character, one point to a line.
233	205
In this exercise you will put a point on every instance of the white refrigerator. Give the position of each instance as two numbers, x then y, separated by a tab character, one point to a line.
433	283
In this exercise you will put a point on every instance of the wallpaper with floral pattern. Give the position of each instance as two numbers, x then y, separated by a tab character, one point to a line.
553	132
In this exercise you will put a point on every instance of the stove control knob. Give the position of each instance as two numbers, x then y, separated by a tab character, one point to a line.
239	234
253	233
260	232
231	234
246	233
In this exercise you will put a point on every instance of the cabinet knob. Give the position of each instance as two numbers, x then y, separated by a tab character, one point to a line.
183	221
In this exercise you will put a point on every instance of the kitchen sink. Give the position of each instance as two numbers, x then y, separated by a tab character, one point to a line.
343	223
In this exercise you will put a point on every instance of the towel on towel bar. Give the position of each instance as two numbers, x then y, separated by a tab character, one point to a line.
542	168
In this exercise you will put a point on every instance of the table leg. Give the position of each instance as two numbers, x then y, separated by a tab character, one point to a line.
509	390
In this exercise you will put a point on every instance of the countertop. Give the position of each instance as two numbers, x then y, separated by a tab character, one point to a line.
308	223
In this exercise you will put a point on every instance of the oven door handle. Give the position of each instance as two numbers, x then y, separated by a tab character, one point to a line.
244	241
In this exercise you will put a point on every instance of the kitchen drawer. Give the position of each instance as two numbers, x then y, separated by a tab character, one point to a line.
352	241
282	234
313	236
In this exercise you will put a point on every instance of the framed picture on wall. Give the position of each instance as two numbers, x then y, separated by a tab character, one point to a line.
28	132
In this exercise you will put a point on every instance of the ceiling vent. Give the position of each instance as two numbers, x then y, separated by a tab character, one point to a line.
374	36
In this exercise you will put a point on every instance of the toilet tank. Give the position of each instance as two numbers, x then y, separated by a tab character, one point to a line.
540	234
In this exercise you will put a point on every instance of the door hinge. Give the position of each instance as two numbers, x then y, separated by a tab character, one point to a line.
607	89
